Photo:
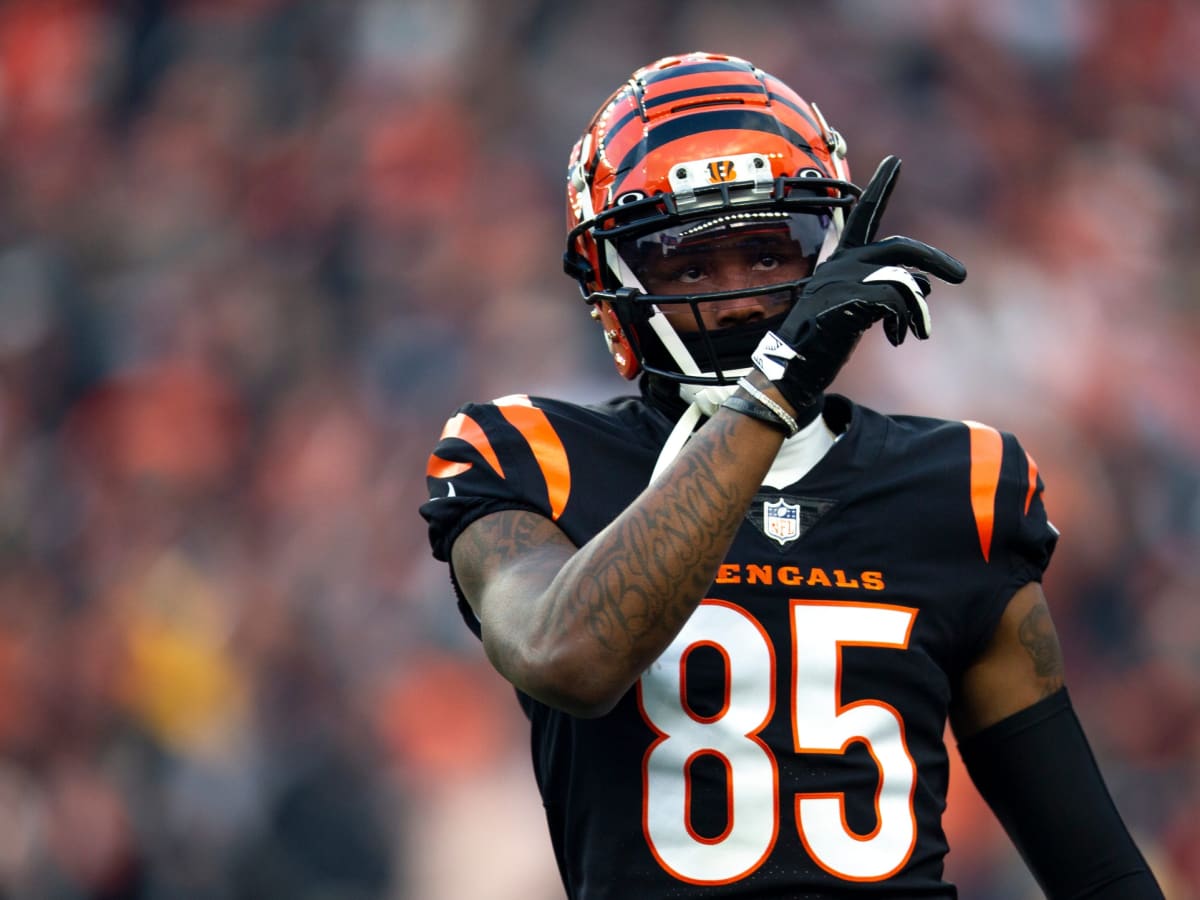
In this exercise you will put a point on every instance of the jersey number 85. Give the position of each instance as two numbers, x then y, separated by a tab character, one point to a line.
820	724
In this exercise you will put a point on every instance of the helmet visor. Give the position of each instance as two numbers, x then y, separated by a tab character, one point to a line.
730	251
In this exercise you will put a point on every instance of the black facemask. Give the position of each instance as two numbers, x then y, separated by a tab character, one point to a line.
731	346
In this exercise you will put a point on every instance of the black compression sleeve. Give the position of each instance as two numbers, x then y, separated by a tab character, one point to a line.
1037	773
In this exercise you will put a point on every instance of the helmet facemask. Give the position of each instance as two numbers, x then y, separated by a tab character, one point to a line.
651	247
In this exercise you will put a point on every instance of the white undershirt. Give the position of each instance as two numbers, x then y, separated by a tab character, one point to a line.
800	453
796	457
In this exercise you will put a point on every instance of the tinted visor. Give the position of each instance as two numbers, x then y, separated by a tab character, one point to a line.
728	251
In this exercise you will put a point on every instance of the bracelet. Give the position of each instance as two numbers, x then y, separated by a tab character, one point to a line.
782	414
756	411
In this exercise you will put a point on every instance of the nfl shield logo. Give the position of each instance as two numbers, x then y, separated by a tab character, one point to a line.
781	520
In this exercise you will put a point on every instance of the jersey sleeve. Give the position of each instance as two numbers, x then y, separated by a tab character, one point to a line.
1024	539
1016	539
490	457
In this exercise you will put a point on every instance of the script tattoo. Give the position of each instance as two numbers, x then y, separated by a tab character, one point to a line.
645	574
1037	636
642	576
630	588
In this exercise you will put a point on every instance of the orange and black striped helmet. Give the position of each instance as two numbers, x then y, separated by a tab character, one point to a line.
686	144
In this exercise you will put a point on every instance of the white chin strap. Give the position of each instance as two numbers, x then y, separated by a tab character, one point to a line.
796	457
677	438
702	399
706	397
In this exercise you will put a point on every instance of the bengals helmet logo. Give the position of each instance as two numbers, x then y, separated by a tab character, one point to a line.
721	170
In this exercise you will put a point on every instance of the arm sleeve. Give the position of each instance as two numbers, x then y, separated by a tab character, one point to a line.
1036	771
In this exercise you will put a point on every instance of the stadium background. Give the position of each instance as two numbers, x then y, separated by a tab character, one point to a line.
253	253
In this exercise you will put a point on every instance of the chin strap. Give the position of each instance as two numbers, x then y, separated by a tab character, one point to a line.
677	438
703	400
709	397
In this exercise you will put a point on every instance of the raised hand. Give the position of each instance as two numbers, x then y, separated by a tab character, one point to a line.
862	282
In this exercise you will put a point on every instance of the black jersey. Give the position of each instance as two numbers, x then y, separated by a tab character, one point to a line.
789	742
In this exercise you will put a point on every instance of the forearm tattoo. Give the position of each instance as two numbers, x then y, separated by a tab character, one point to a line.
644	574
496	539
640	578
1037	636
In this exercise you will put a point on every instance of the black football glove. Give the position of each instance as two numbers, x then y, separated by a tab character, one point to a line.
862	282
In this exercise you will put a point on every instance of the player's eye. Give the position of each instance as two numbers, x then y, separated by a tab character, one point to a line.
690	274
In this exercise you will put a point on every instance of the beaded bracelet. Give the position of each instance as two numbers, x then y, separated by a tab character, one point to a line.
779	412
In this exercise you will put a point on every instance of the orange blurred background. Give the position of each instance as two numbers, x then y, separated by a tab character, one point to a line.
254	252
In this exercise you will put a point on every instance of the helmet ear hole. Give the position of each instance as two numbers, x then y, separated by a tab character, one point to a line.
623	356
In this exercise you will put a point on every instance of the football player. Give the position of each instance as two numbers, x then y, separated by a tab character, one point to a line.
739	610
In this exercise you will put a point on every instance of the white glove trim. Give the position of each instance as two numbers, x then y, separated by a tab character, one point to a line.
772	355
901	276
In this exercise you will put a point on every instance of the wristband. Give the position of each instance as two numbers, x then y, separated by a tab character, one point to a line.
757	411
782	414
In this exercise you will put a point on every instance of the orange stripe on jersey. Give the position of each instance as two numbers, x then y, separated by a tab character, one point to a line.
1033	473
987	449
547	448
467	429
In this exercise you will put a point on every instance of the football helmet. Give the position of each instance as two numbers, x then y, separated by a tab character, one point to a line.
696	153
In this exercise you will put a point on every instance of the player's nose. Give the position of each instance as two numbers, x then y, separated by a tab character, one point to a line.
739	312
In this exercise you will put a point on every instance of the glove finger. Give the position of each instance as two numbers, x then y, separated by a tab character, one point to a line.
896	329
873	303
905	251
863	221
919	320
866	313
912	287
905	280
897	317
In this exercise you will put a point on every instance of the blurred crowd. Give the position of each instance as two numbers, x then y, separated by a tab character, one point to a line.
254	252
